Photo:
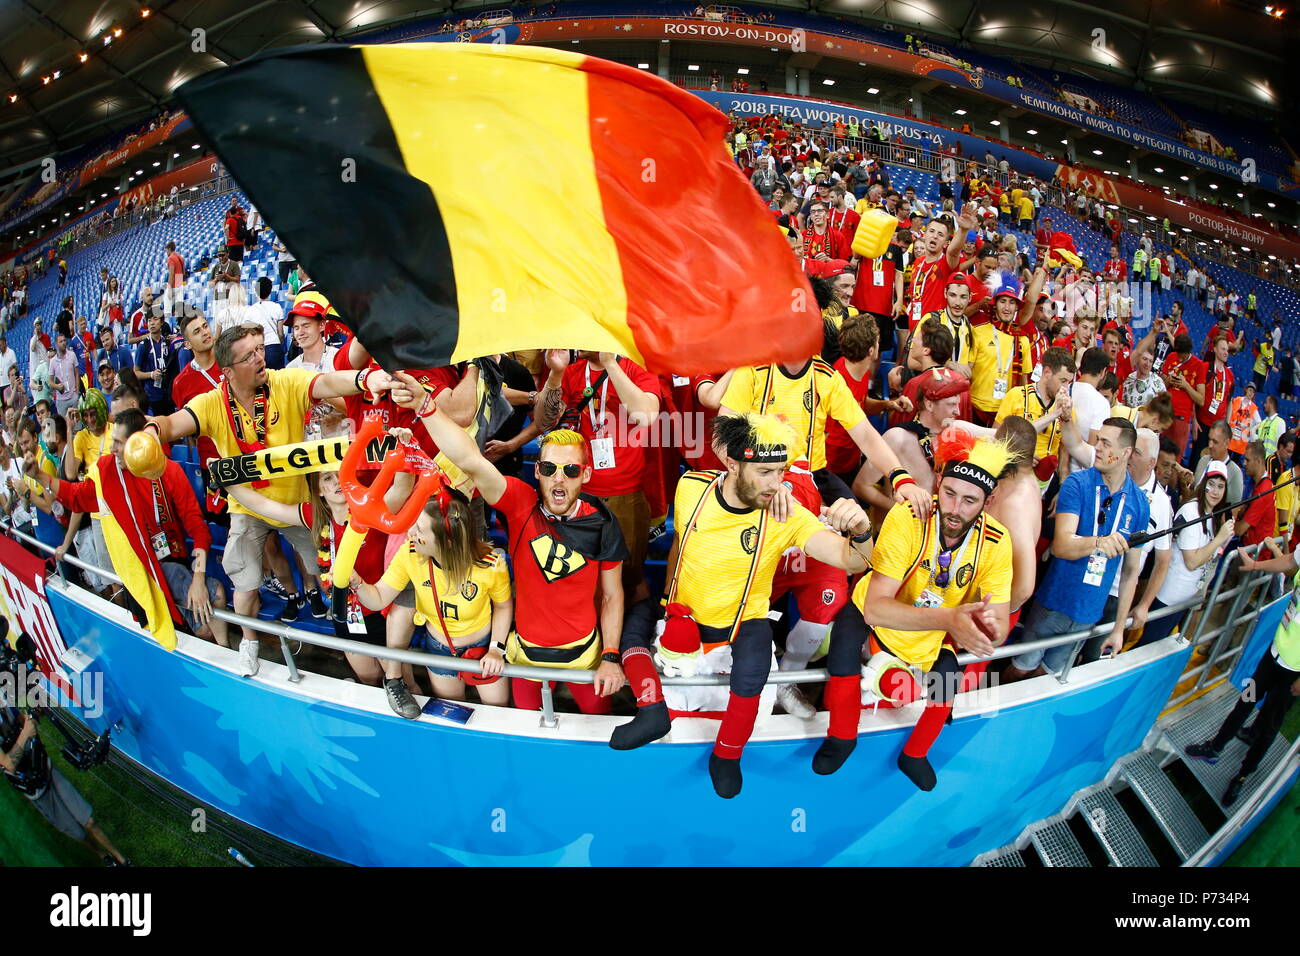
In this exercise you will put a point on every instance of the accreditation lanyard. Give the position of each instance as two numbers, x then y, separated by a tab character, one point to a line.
159	354
597	424
1220	384
204	372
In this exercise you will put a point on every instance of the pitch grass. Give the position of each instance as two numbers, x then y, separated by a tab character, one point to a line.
149	829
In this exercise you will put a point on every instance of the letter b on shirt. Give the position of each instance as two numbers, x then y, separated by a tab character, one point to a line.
555	558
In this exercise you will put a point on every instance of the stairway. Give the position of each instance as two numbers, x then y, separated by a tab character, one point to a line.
1154	808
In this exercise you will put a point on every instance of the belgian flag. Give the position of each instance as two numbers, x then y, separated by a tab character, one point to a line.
456	200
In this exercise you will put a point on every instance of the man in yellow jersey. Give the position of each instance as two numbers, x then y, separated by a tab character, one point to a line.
1038	403
1000	359
937	586
953	318
254	409
803	394
726	552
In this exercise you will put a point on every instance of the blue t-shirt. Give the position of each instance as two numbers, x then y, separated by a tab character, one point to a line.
1085	494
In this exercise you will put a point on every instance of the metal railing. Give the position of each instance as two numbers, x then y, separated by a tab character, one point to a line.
1225	638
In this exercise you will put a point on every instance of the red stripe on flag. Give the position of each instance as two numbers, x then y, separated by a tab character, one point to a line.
711	282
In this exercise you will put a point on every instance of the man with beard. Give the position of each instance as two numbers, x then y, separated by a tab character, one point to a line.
938	586
721	565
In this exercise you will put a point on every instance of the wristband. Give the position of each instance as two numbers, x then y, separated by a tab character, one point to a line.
862	538
357	381
500	646
156	430
423	410
899	477
611	656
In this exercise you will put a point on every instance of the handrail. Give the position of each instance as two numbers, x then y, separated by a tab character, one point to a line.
1247	808
286	632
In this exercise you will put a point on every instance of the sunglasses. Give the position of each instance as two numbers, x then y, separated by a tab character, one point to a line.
548	468
1105	510
945	563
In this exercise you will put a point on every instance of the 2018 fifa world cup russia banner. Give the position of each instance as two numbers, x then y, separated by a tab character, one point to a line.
611	239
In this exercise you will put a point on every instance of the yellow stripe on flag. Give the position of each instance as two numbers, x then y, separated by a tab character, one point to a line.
458	131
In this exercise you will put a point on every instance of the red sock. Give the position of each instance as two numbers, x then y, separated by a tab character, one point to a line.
588	701
970	680
898	684
642	676
844	701
737	726
927	729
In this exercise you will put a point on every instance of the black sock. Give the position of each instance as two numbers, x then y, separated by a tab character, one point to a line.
726	776
830	756
918	770
650	723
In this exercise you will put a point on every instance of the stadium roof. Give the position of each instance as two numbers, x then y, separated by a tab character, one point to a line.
1221	55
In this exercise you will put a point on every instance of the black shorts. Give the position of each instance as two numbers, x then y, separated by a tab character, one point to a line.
236	253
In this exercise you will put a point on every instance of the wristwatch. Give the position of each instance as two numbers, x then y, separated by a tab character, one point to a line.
500	646
612	657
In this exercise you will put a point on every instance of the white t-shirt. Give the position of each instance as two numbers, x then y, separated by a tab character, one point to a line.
326	363
7	361
1162	514
1090	410
1181	583
269	315
20	513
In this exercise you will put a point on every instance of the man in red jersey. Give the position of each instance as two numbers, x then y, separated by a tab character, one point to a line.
567	553
234	225
860	347
1219	383
201	374
813	267
842	217
940	249
1114	269
1112	343
879	292
980	308
820	241
1184	377
1084	337
610	401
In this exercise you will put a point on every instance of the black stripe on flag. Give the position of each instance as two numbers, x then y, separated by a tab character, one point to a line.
289	126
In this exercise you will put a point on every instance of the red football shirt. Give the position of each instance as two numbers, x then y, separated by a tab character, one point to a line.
842	453
555	600
360	407
874	291
929	282
604	418
192	382
232	231
1218	394
1193	370
1261	514
831	242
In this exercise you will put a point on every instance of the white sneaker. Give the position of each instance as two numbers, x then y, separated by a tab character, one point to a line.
249	660
792	701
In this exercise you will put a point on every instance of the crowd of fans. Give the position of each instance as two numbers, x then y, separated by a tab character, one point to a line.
1029	432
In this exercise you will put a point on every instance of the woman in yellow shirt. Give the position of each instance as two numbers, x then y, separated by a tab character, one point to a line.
463	596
